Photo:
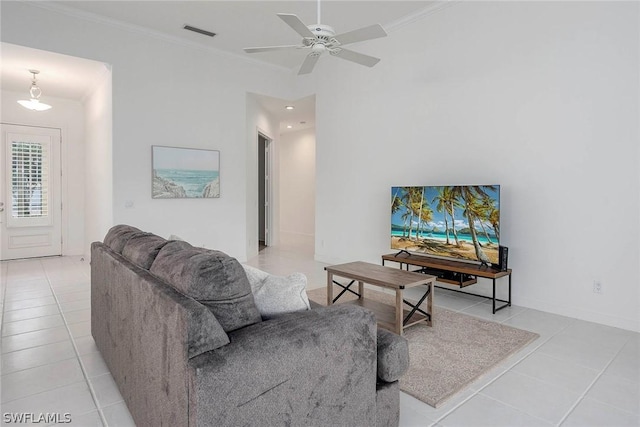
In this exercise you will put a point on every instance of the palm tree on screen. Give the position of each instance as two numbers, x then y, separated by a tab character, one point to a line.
485	209
408	200
407	216
494	219
472	195
455	194
443	199
422	208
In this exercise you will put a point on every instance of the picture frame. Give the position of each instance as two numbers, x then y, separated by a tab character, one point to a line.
184	173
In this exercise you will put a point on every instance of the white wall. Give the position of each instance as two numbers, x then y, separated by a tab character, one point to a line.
99	163
298	182
164	93
66	115
540	97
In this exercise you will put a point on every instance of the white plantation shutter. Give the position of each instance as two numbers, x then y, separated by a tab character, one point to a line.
30	174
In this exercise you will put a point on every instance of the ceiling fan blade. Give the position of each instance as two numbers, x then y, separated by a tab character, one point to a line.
365	33
298	26
271	48
359	58
309	63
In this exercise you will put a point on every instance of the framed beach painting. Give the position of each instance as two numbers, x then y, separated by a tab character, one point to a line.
181	173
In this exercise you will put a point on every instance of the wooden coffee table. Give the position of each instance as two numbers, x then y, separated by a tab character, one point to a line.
394	318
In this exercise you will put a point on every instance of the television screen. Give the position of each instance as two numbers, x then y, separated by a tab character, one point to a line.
460	222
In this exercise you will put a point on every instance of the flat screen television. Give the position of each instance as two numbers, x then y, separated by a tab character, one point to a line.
456	222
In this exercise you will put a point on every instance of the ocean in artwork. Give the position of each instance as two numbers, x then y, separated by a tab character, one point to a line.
192	181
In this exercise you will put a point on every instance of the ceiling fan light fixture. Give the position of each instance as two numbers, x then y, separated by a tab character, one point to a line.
35	92
320	38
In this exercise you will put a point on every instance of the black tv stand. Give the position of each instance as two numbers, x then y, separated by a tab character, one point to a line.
452	272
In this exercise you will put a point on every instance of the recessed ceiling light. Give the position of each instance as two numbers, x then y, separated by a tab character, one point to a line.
289	126
289	107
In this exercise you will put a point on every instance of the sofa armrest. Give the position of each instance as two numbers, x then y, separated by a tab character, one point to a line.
318	366
393	356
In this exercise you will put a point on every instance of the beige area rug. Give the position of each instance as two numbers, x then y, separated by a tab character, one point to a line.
449	356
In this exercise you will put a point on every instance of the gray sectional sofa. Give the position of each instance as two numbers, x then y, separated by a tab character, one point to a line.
186	345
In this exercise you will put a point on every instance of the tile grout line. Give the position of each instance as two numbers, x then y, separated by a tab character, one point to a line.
518	410
477	392
29	308
75	350
44	328
35	346
595	380
520	361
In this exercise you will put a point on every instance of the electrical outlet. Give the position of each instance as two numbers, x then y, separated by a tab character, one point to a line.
597	287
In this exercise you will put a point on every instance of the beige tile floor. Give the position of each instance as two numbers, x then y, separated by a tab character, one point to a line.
576	374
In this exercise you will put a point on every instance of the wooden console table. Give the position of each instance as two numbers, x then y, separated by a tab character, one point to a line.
394	318
453	272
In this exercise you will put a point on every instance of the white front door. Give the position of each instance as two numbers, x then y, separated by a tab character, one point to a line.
30	192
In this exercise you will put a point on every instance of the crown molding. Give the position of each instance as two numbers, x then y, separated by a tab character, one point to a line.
432	9
53	6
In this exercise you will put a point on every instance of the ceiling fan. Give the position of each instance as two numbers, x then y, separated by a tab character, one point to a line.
320	38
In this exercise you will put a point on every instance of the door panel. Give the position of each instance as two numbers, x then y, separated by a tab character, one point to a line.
267	201
30	192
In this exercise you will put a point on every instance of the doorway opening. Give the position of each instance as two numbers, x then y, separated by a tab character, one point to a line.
81	117
282	155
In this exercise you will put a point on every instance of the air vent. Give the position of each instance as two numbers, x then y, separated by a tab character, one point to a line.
199	31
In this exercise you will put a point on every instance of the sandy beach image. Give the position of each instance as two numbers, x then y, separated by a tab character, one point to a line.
465	251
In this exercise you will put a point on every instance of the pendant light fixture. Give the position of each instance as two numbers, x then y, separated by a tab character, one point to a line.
35	92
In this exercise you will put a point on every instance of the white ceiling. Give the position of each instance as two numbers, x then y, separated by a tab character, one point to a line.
60	76
238	24
303	115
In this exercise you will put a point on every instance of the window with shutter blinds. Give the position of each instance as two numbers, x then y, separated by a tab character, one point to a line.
29	179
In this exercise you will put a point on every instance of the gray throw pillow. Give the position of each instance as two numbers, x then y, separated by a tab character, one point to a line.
142	249
212	278
119	235
275	295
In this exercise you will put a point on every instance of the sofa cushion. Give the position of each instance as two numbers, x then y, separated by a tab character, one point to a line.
211	277
393	355
119	235
142	249
277	294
